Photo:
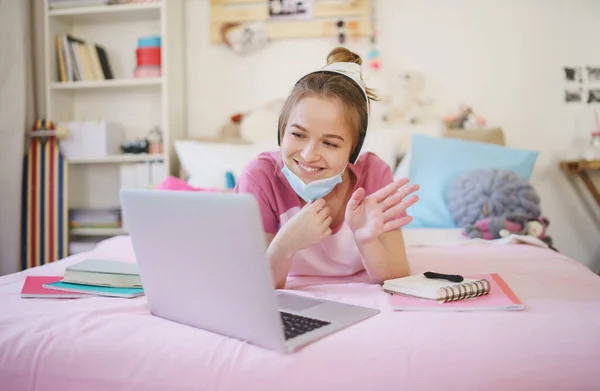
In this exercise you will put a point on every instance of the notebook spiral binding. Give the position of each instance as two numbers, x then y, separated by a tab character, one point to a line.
467	290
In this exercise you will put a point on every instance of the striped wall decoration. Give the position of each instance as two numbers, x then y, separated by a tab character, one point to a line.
44	227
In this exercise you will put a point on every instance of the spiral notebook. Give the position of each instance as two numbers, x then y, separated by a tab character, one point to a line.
488	292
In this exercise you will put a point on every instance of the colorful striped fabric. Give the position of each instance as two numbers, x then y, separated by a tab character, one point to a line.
44	227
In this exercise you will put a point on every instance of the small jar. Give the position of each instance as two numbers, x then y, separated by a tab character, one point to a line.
155	141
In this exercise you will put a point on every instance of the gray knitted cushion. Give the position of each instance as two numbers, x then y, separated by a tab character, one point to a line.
482	193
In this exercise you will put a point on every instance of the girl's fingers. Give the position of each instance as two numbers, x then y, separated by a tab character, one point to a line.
398	196
327	221
356	198
388	190
327	232
399	208
395	224
323	213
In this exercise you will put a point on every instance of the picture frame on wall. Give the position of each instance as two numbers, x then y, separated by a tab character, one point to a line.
291	9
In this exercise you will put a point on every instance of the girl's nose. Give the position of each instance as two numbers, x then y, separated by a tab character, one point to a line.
309	153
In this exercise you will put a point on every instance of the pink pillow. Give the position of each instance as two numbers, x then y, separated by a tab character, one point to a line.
173	183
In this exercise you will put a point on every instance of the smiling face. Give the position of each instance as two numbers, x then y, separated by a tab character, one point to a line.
317	140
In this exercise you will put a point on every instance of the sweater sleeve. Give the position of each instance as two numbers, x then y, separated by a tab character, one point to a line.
255	180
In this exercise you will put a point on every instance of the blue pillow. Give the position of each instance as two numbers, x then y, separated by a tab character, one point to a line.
436	162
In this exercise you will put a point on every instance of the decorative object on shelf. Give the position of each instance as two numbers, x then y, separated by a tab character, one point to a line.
155	141
136	146
341	31
148	57
91	139
466	118
309	20
481	193
244	38
373	56
291	9
231	130
403	102
44	206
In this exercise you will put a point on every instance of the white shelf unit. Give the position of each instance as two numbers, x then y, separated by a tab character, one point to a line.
137	104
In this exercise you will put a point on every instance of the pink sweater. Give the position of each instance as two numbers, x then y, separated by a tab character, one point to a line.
337	255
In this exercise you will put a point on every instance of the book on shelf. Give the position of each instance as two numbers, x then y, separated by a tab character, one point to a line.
63	4
95	217
78	60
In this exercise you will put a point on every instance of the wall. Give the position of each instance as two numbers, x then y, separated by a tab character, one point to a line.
504	57
17	110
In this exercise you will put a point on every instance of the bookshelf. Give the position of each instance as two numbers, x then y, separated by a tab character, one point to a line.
136	104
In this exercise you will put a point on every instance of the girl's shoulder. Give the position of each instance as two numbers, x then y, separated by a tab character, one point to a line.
262	169
372	172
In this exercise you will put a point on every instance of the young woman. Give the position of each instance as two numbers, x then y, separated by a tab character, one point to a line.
326	210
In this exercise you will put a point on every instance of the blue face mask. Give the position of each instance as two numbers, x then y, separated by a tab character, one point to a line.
313	190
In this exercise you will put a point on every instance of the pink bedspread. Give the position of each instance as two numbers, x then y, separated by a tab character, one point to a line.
115	344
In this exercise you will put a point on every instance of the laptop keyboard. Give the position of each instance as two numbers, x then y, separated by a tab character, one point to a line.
295	325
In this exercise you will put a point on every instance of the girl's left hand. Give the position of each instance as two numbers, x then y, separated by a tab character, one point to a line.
369	217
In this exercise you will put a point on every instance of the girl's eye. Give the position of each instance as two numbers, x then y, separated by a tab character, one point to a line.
330	144
296	134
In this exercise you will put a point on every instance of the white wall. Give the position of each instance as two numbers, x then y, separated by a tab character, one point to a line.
504	57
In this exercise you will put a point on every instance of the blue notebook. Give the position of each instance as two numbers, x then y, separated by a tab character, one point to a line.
95	289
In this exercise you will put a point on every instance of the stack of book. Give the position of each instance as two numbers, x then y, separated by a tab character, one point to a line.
109	217
79	60
91	277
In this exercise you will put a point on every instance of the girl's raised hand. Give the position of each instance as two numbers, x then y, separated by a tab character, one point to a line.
308	227
369	217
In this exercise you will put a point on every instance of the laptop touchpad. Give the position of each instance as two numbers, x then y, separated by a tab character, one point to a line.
295	303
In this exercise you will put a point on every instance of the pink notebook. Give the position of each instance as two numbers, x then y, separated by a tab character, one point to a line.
499	298
33	287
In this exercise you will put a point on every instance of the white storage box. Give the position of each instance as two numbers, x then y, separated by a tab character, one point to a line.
92	139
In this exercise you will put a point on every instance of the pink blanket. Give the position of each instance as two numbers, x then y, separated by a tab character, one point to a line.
115	344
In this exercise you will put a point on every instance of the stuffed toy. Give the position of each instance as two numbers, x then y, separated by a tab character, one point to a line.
482	193
491	228
464	119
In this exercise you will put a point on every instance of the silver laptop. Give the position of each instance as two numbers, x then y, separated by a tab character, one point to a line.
202	260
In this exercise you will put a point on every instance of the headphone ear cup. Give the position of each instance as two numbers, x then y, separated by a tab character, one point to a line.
356	152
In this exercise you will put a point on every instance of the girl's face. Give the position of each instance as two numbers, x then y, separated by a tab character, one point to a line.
317	141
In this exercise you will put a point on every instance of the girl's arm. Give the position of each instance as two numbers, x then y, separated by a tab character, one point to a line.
307	228
384	257
280	259
375	221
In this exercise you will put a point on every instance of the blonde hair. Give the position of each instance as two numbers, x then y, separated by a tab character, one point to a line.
332	85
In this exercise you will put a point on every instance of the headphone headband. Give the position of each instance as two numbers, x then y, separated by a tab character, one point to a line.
352	71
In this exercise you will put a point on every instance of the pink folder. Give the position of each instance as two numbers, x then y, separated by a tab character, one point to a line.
33	287
500	298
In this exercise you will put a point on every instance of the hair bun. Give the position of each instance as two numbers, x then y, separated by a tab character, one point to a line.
341	54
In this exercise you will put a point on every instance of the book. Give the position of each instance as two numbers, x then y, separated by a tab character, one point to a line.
421	286
107	291
497	296
104	273
33	287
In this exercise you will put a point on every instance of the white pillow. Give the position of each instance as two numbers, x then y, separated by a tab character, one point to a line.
403	168
207	163
260	125
383	143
